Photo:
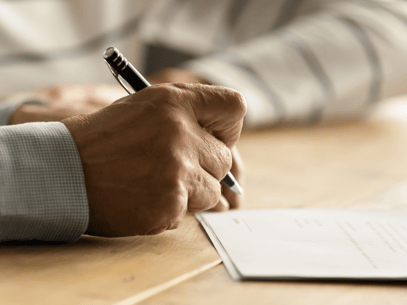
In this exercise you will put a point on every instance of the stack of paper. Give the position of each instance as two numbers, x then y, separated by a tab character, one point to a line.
310	243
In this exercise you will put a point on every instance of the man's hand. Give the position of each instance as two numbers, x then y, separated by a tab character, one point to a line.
154	156
229	199
65	101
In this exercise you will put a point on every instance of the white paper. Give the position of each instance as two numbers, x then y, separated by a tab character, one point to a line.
310	243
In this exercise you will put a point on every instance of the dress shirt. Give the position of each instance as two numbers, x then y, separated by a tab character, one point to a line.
42	186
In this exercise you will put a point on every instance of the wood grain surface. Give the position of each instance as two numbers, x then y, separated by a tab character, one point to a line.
333	166
100	270
215	287
336	166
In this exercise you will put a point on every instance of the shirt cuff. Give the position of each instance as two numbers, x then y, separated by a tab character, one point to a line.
42	185
8	107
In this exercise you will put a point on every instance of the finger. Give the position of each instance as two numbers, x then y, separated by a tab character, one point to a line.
214	156
217	109
221	206
204	192
238	171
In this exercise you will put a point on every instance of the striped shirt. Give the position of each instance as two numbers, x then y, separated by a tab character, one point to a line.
302	60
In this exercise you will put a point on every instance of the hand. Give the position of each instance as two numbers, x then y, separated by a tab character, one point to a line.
65	101
229	199
172	75
154	156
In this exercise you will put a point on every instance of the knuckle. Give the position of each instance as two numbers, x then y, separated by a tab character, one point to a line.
171	184
217	192
238	103
216	157
177	126
164	90
174	200
161	96
173	143
173	129
176	209
206	194
165	93
175	221
168	214
225	158
221	158
175	172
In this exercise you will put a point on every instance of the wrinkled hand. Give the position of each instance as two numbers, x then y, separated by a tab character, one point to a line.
229	199
152	157
65	101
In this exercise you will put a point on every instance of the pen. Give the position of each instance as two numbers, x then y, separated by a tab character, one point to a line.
123	70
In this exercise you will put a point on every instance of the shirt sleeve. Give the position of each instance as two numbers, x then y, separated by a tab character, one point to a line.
336	62
42	186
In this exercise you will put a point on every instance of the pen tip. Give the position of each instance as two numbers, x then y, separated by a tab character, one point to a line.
237	189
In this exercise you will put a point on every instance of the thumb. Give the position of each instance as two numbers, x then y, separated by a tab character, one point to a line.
219	110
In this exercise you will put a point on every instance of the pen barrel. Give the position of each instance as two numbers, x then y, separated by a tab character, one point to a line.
122	67
133	78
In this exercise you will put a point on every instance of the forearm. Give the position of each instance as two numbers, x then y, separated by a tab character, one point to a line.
337	62
42	187
9	106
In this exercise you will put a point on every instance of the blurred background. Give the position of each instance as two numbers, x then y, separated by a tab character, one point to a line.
304	61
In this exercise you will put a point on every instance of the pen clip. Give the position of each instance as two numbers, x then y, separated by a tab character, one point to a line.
117	77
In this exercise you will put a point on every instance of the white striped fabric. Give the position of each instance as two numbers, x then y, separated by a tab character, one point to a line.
301	60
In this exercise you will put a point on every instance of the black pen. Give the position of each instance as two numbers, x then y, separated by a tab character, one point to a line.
120	67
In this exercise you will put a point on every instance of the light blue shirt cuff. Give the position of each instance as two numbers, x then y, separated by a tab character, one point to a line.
42	185
8	107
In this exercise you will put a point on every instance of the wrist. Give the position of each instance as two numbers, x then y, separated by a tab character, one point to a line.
25	113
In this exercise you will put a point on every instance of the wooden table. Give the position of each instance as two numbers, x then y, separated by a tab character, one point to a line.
344	165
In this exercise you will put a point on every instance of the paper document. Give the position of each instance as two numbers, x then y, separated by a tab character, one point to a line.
310	243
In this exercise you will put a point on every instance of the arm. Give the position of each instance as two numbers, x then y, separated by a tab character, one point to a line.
10	105
43	194
59	102
335	62
42	187
63	101
154	156
138	165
